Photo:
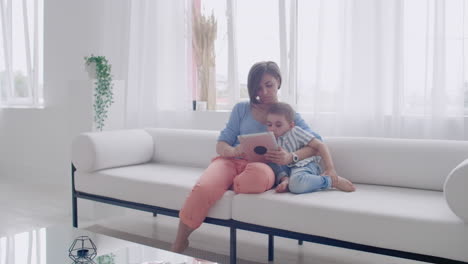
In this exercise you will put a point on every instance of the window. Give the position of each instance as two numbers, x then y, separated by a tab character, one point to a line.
218	8
404	57
396	58
256	38
21	53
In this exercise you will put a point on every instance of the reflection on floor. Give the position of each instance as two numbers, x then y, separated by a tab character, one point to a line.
25	207
28	207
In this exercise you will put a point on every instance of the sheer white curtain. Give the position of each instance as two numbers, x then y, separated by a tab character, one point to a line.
351	67
382	68
159	70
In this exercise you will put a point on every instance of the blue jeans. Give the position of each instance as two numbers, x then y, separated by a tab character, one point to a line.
303	179
280	171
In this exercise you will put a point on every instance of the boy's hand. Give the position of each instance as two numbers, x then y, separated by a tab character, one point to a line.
279	156
332	173
283	186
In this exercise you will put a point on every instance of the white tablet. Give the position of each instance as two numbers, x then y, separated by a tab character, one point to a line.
256	145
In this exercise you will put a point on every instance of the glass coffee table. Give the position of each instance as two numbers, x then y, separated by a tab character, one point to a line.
54	245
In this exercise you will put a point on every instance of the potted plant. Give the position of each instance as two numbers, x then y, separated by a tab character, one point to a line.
100	69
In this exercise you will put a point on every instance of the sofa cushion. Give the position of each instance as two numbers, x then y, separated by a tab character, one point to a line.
455	190
411	163
186	147
107	149
153	184
391	217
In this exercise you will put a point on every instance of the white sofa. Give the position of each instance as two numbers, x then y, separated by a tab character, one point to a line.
411	199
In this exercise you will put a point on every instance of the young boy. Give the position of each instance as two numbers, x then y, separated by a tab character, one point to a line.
304	175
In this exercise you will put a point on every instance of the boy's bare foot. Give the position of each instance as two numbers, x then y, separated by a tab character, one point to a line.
179	247
344	185
282	187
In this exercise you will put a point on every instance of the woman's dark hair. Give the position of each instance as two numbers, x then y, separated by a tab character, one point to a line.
282	109
256	74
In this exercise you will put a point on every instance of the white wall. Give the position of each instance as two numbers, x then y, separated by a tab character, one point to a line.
35	143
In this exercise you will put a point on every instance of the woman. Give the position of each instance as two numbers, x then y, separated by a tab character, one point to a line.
229	168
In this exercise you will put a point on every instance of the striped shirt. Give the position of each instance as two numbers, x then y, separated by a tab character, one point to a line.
295	139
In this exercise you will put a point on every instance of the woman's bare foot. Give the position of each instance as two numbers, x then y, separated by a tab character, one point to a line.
344	185
181	242
179	247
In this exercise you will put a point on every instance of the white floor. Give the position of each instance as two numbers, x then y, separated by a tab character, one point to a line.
25	207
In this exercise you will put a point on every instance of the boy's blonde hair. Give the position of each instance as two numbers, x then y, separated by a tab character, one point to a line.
283	109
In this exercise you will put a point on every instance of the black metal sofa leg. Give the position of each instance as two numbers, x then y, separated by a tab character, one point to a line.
75	210
74	198
300	242
233	242
271	247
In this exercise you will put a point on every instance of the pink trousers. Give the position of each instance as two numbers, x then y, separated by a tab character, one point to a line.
221	174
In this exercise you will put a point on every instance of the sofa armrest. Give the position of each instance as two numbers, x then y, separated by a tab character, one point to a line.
102	150
455	190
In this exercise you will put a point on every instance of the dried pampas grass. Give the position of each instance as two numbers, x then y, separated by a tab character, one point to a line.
203	41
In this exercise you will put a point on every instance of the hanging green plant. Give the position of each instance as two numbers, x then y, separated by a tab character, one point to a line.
106	259
103	96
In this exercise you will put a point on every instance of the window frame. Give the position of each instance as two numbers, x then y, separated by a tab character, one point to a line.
32	40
